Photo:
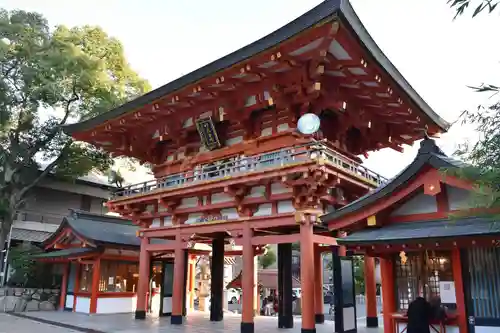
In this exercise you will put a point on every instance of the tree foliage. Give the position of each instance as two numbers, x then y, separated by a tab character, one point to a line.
484	154
268	258
49	78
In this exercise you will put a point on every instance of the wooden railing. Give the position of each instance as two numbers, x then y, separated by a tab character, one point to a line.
314	151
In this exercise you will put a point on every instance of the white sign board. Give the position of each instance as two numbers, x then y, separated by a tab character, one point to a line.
447	292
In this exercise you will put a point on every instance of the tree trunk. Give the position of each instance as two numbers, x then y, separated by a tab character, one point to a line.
4	234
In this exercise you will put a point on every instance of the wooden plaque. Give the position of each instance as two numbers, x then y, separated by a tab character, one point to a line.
208	133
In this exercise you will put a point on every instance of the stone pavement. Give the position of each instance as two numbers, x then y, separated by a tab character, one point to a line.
196	322
10	324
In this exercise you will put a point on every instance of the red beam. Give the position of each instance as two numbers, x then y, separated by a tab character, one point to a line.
258	222
168	246
324	240
275	239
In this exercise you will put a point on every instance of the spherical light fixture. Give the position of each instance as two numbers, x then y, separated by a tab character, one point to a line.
308	124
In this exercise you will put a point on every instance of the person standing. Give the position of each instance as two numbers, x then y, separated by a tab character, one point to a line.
419	316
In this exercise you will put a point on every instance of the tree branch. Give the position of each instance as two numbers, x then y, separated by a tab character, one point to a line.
75	97
43	174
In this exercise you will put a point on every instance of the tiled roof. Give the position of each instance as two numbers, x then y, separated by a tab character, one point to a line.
66	253
324	10
30	235
102	229
428	154
420	230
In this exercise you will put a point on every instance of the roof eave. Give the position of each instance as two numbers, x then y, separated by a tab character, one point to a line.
303	22
319	13
348	13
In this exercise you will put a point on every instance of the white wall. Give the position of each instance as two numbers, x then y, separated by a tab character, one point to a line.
82	304
116	305
419	204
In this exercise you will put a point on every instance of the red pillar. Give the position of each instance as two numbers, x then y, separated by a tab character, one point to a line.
388	295
342	251
319	315
307	277
178	294
96	274
64	286
459	290
191	282
143	283
248	282
370	292
78	268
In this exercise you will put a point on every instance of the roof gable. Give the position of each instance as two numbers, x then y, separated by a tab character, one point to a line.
429	156
98	229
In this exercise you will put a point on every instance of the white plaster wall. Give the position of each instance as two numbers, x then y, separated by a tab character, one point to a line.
231	213
155	223
485	329
116	305
82	304
285	206
221	197
69	301
189	202
278	188
419	204
233	141
257	192
283	127
167	304
193	217
458	198
264	210
167	220
266	131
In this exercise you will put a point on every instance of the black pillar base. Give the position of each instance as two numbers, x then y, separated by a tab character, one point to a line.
308	330
247	328
140	314
285	322
176	320
371	321
319	318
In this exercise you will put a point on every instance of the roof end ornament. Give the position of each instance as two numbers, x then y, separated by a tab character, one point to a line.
428	146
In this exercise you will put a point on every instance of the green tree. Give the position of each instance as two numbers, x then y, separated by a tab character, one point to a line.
268	258
49	78
484	154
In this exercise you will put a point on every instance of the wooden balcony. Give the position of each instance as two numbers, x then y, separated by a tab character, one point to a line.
221	170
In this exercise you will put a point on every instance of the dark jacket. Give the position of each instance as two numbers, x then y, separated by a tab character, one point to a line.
419	316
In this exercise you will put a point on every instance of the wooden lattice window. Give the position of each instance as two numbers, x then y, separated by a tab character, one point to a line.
420	275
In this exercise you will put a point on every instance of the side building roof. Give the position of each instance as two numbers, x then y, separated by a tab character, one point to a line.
326	9
428	154
100	229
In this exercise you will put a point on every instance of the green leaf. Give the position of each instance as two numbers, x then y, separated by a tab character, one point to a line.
48	78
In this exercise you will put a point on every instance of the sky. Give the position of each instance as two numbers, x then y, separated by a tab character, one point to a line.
165	39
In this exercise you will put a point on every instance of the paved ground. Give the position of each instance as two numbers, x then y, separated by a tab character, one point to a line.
196	323
360	310
10	324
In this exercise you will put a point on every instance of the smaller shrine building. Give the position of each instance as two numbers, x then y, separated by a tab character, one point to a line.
431	241
100	255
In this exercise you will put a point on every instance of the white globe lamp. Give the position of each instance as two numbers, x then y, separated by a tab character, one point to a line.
308	124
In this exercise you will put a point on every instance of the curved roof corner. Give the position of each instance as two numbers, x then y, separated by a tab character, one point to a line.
428	154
